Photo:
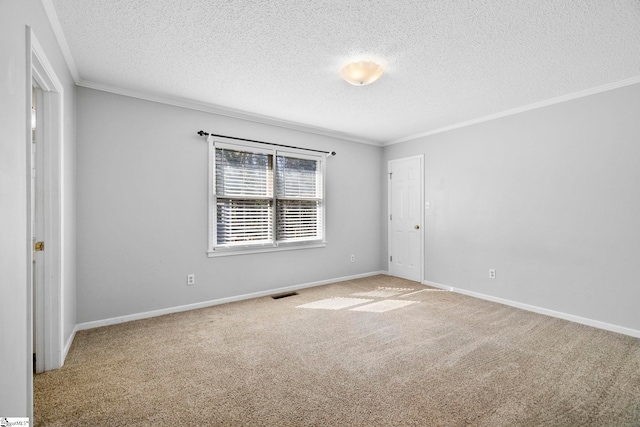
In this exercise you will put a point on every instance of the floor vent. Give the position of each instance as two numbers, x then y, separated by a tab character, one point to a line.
287	294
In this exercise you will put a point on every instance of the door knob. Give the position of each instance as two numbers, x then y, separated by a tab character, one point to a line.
416	227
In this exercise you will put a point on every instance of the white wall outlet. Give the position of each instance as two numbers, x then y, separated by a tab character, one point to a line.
191	279
353	258
492	274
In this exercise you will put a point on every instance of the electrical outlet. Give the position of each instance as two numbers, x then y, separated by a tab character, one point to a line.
353	258
191	279
492	274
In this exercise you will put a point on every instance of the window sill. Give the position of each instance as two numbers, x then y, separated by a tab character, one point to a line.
245	251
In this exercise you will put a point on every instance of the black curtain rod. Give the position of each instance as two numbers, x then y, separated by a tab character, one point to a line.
203	133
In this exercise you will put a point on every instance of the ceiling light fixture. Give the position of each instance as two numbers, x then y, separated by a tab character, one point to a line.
361	73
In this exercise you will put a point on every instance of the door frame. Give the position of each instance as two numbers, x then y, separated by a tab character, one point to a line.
40	71
421	204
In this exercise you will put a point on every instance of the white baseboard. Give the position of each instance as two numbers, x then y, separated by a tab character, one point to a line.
155	313
437	285
570	317
67	345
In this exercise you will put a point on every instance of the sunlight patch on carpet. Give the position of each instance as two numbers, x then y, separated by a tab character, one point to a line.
423	290
336	303
382	306
377	294
383	292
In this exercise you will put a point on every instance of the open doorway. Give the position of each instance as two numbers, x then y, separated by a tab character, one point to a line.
37	189
44	208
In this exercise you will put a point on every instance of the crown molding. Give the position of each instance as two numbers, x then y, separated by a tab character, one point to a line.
545	103
223	111
62	40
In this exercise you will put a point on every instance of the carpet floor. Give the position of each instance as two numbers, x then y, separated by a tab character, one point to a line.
378	351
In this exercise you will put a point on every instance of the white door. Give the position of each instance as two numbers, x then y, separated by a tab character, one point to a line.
37	228
405	218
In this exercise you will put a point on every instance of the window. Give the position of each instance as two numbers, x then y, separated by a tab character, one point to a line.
264	199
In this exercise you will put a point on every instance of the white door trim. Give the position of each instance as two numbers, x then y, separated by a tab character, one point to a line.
389	210
39	69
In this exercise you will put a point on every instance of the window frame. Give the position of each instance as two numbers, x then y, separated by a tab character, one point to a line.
215	250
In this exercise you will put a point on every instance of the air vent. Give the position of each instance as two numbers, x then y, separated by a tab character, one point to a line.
287	294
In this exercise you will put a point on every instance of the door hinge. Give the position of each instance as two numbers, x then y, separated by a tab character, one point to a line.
391	258
38	246
390	217
390	175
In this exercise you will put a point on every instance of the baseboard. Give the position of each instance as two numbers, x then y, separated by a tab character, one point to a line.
177	309
540	310
67	345
437	285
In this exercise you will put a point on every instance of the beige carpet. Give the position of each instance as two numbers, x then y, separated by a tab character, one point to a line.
445	360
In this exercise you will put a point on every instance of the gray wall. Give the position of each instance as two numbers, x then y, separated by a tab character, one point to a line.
142	210
15	376
550	198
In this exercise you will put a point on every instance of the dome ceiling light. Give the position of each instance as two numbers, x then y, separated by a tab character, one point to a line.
361	73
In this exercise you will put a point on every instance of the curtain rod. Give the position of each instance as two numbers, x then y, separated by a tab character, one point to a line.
203	133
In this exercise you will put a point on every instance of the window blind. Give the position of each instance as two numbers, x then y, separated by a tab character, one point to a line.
240	173
244	190
243	221
299	188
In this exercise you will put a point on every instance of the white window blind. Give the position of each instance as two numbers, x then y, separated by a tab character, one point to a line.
244	191
265	198
299	184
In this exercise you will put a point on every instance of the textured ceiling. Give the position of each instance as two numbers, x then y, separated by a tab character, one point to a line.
446	61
